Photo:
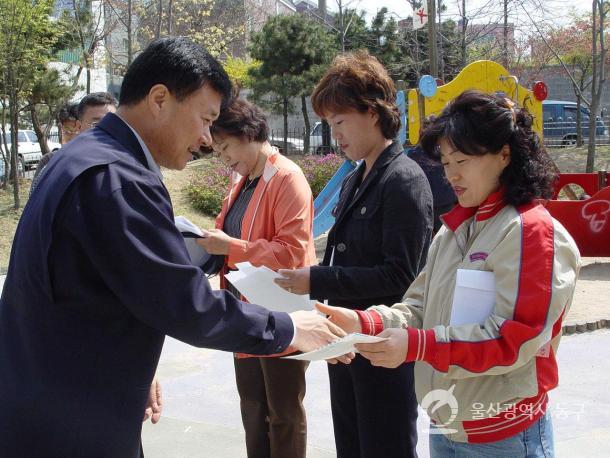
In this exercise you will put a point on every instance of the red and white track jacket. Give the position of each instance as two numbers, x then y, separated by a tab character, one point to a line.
499	372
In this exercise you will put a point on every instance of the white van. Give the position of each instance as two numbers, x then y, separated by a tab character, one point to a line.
29	147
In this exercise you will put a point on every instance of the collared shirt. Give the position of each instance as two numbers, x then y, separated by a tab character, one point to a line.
235	216
152	165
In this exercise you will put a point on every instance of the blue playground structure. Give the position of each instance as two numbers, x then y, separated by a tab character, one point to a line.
324	204
327	200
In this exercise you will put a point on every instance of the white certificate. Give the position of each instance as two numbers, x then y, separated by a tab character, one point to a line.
338	347
257	286
190	231
474	297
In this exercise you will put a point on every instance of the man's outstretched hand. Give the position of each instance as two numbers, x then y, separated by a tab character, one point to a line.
314	331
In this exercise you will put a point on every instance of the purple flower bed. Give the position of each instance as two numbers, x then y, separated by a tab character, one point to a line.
209	186
319	170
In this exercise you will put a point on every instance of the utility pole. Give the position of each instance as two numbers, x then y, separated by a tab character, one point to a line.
129	32
432	46
322	9
441	61
464	23
505	44
341	21
170	17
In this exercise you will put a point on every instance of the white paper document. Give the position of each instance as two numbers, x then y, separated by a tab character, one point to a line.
474	297
338	347
256	284
191	232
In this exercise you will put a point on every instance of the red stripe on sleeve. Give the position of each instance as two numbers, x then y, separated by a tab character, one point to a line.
370	322
421	345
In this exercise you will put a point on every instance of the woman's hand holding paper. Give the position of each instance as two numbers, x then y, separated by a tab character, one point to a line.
294	280
390	353
347	320
215	241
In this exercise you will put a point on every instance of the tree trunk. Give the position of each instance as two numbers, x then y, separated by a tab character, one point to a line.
598	77
307	124
326	140
6	151
40	133
285	114
579	140
591	148
170	18
88	78
13	110
159	18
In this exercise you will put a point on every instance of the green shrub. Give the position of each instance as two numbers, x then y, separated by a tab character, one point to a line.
208	188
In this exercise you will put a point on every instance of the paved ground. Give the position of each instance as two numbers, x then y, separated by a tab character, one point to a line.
201	416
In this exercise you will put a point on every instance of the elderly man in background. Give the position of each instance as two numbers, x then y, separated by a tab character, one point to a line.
77	118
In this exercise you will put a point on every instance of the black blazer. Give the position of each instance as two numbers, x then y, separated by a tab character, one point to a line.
98	275
380	236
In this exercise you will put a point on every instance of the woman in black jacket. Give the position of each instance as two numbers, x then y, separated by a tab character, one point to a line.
375	249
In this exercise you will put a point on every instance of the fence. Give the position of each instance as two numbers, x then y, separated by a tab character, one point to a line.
557	134
296	141
562	133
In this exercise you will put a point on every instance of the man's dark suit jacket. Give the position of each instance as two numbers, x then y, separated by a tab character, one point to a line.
98	276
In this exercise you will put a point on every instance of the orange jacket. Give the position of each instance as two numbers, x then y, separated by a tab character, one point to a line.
277	225
277	228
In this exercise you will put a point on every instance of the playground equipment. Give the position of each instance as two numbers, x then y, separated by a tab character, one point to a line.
483	75
588	220
327	200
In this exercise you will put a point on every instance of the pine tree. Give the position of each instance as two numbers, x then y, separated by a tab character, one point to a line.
293	51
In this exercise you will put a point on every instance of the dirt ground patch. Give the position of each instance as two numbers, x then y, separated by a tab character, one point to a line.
592	295
574	160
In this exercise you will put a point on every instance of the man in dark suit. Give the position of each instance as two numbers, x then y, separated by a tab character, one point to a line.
86	305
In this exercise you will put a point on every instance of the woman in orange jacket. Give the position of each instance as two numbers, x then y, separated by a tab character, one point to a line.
266	219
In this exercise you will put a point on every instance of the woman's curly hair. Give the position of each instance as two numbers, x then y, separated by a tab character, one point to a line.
476	124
